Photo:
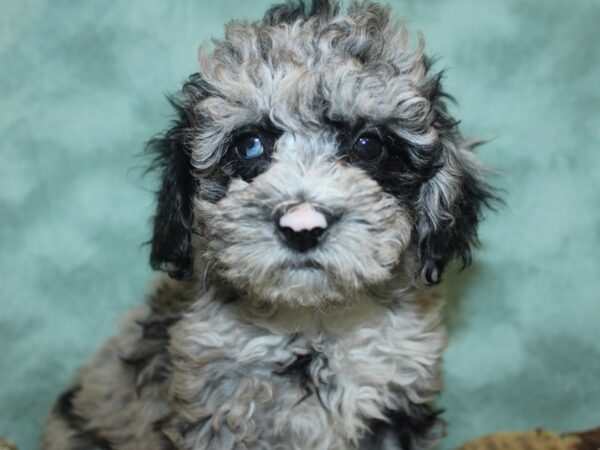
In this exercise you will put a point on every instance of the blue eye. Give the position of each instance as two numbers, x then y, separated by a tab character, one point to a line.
250	147
368	147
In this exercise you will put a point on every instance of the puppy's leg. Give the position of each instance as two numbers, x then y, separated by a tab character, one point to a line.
114	402
65	429
119	397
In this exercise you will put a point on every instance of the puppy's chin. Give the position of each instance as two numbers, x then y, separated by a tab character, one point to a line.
306	283
300	286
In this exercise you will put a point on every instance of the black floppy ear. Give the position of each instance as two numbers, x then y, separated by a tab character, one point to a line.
450	203
172	236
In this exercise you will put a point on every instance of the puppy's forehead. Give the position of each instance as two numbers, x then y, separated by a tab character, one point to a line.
346	68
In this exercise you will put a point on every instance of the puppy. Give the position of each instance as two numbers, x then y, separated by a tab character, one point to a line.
313	186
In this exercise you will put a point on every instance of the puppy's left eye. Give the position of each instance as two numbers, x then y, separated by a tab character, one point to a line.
249	147
368	147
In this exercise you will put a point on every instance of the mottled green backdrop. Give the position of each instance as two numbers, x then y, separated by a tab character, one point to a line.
82	87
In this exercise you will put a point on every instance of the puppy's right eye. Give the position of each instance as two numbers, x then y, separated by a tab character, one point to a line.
249	147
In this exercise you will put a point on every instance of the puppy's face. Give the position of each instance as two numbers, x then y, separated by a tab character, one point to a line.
314	159
310	226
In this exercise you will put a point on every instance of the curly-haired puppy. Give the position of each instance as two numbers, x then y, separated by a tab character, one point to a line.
313	185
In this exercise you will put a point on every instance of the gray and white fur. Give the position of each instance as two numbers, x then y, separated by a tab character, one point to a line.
262	337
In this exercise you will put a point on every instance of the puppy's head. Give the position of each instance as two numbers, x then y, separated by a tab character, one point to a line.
314	158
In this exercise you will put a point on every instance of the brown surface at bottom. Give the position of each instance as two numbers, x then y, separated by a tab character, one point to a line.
6	445
588	440
532	440
536	440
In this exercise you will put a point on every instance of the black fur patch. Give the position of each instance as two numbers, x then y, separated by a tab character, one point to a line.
438	245
157	329
232	165
299	370
173	222
159	426
403	167
64	403
150	360
290	12
84	438
404	428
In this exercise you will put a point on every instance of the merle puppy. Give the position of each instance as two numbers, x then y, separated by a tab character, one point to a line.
313	186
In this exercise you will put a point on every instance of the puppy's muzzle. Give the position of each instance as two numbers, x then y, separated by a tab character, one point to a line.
303	226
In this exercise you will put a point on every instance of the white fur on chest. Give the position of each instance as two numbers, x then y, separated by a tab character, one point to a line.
363	360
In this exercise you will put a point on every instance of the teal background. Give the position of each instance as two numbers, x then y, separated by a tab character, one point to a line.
82	87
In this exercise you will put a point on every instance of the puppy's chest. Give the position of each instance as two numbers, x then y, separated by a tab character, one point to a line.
365	344
295	367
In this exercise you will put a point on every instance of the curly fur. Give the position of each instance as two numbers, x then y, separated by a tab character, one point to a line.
250	344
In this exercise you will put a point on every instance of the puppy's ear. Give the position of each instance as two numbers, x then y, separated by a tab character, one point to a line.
172	236
450	203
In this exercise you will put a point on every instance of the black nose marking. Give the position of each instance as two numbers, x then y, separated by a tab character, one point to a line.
302	240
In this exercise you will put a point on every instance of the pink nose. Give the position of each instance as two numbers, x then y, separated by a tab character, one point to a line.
303	218
302	227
